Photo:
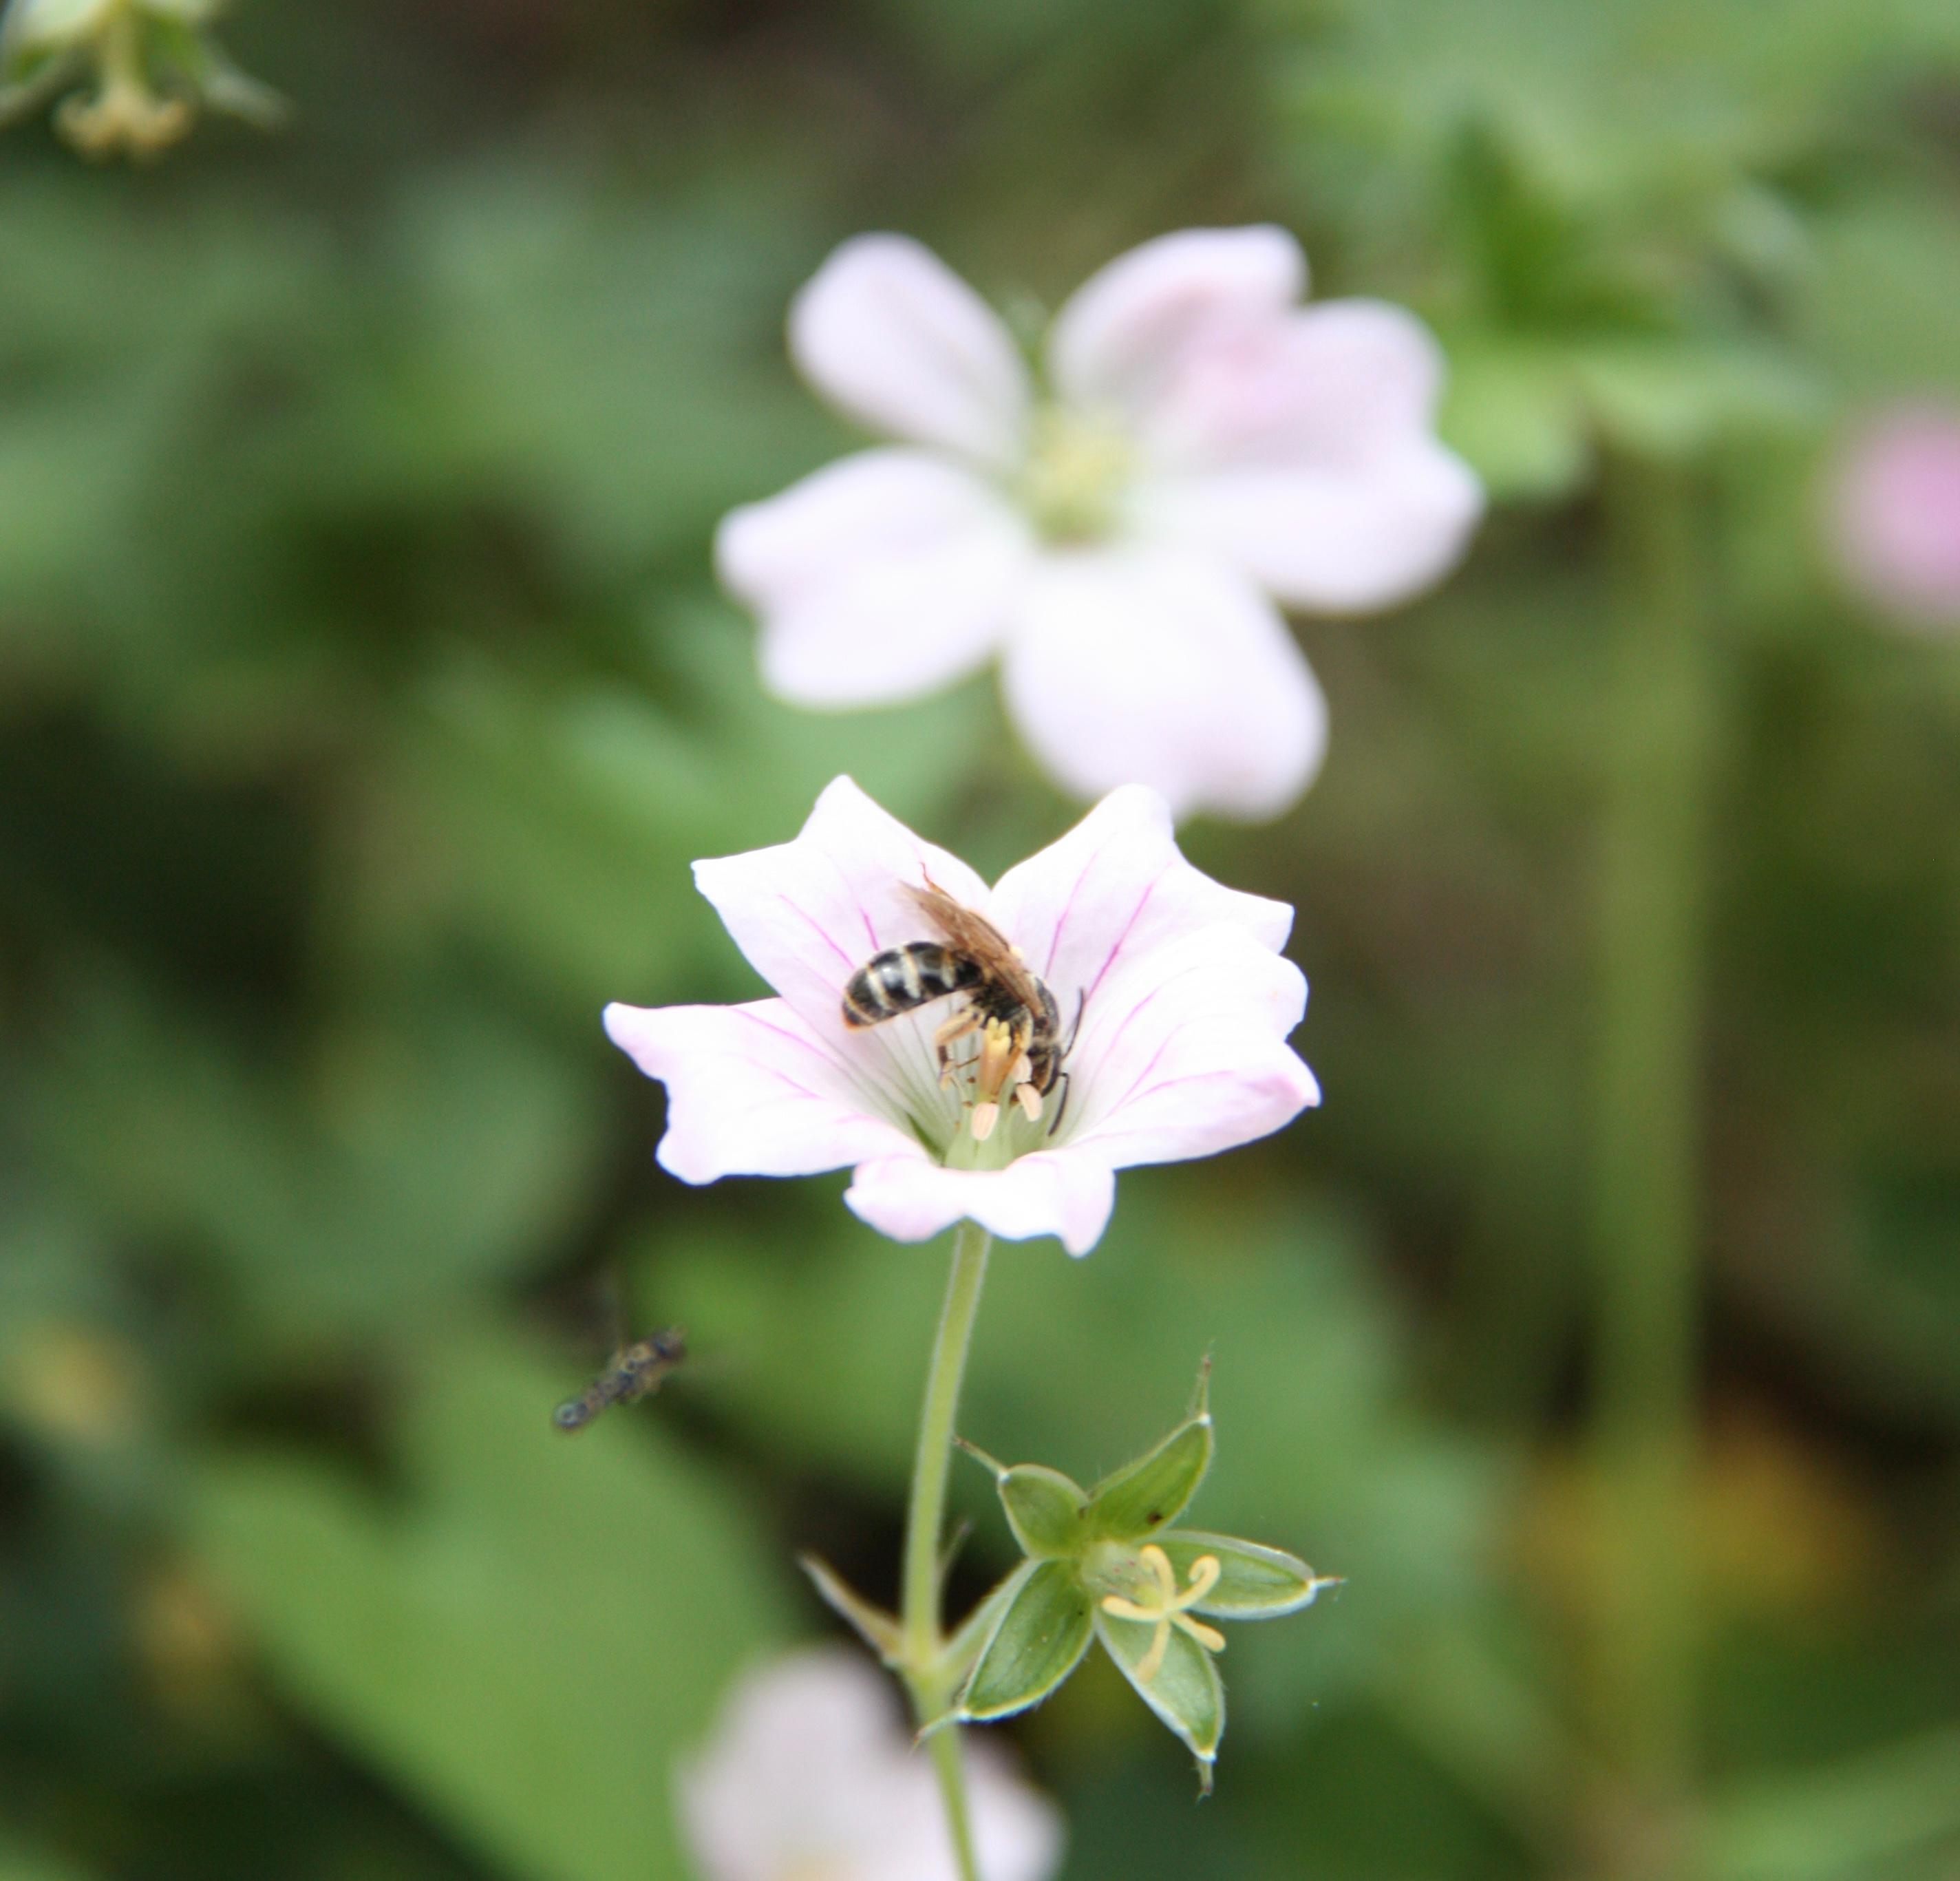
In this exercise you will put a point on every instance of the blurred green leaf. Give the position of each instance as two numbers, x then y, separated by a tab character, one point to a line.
1856	1817
525	1648
424	1155
19	1864
609	355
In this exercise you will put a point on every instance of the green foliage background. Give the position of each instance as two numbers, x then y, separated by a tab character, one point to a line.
365	694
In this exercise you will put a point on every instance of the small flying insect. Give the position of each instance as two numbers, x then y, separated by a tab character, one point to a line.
635	1373
1022	1048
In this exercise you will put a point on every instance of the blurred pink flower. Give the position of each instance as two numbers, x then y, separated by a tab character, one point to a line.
1199	448
1895	513
1184	1006
811	1777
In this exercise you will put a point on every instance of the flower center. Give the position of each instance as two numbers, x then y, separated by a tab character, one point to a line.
1076	474
1001	1115
1162	1606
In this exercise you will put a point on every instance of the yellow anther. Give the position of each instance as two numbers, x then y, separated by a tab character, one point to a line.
1002	1072
1168	1608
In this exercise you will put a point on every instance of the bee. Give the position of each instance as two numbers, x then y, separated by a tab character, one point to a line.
635	1373
1022	1048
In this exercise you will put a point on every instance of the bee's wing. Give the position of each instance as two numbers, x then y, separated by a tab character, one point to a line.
971	933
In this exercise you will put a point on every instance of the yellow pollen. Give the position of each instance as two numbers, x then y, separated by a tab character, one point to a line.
1075	474
1001	1071
1168	1608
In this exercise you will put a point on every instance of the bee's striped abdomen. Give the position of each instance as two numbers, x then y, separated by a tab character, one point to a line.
902	980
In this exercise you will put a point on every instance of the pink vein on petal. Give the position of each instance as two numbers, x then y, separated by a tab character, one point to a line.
1163	1045
1107	1050
857	902
805	1044
1129	927
1061	919
1104	1138
816	927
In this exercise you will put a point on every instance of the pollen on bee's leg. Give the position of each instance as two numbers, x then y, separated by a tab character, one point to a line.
982	1120
1029	1100
961	1023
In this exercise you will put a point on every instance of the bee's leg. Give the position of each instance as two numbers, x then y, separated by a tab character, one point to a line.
959	1027
1064	1079
1075	1030
1025	1094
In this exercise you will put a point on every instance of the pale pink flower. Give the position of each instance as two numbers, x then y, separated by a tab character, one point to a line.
1895	513
1120	527
1184	1006
811	1777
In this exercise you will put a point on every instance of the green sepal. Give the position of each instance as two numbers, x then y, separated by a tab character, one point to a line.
1184	1692
1145	1497
1047	1511
31	78
1254	1583
1040	1639
957	1657
878	1629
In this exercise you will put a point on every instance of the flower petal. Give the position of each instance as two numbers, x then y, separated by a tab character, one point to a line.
1113	890
1338	539
1060	1192
881	576
1894	515
751	1091
811	1769
807	913
890	334
1118	340
1150	666
1183	1053
1334	384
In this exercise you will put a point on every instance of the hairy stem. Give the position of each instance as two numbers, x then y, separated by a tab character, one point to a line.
1647	1172
925	1520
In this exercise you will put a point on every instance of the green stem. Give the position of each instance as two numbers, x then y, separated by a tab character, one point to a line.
1646	1223
925	1520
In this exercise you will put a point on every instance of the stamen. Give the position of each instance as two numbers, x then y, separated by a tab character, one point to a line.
1168	1608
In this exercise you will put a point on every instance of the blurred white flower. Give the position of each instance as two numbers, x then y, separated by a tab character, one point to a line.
135	72
811	1777
1198	447
1171	988
1895	513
